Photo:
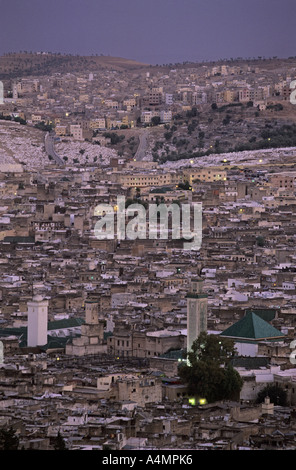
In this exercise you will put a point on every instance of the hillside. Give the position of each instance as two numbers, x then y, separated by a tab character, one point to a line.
26	64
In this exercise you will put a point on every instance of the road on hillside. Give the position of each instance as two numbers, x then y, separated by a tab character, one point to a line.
50	150
141	152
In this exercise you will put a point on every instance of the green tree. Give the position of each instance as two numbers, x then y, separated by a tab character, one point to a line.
155	121
208	372
8	439
277	395
44	127
59	443
186	185
212	348
20	120
226	120
168	135
260	240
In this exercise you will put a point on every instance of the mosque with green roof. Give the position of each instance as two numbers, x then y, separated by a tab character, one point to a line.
250	331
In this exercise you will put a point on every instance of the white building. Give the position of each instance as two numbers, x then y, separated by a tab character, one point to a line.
165	116
76	131
37	321
169	100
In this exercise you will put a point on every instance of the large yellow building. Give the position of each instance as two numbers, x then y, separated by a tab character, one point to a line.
209	174
148	179
157	177
99	123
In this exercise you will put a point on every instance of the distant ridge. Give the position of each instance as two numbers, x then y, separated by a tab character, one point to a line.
23	64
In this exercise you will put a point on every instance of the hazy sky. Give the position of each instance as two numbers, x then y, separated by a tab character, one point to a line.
152	31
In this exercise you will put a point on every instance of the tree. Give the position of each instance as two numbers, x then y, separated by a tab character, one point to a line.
186	185
59	443
8	439
260	240
226	120
208	372
277	395
168	135
155	121
44	127
212	348
20	120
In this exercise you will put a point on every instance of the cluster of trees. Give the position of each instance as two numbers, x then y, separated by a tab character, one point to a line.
13	118
115	138
192	126
277	395
186	186
208	372
44	127
226	107
9	440
275	107
284	136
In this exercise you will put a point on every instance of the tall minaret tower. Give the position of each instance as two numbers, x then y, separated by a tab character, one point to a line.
37	321
197	311
14	91
93	329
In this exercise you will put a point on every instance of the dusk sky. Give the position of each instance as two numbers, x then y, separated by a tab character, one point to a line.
152	31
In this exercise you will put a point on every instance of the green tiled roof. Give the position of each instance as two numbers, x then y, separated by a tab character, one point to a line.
267	314
252	327
192	295
250	362
66	323
52	343
52	325
18	239
174	354
21	332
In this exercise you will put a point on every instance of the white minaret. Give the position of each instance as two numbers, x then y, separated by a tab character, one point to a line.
37	321
14	91
197	311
